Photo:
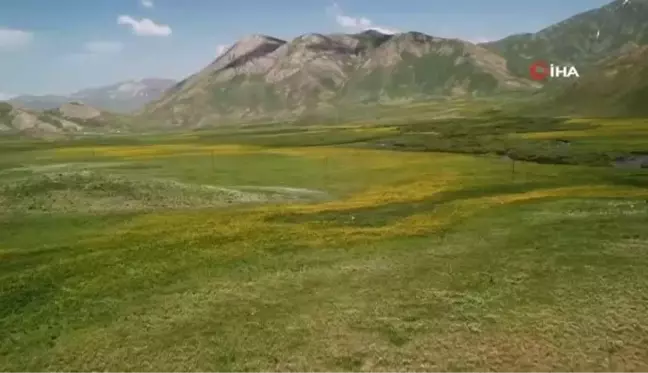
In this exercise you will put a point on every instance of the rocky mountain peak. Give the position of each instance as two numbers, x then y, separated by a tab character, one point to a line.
252	45
243	51
260	74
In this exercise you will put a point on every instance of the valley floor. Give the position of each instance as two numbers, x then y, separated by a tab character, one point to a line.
198	255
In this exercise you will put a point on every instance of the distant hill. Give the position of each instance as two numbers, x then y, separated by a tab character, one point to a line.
68	119
266	76
122	97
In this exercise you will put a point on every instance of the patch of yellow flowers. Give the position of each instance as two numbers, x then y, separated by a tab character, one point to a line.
604	127
239	230
242	230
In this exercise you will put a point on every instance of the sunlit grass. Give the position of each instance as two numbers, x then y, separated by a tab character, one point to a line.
255	226
146	151
416	261
625	127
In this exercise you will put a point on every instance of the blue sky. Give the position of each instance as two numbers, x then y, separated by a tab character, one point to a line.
60	46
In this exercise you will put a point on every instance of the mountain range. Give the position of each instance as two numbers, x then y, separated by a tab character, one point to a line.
263	77
122	97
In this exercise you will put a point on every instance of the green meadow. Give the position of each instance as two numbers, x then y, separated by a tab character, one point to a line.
489	243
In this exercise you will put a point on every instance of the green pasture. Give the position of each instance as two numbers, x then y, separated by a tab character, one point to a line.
391	247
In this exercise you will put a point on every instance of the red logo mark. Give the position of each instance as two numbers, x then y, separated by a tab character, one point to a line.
539	70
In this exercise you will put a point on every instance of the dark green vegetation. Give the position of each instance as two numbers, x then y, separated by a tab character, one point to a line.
505	136
294	248
592	141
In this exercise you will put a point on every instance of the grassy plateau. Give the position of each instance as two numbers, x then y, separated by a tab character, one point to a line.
359	247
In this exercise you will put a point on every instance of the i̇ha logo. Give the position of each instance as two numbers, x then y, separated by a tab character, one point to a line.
541	70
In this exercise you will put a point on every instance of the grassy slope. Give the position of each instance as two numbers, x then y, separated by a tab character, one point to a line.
617	87
575	41
421	261
427	76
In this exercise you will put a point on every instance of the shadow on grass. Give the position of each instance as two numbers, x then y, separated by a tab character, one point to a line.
631	178
31	294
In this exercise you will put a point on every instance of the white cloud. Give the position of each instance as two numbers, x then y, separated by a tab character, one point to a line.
357	24
222	48
10	38
147	3
480	39
103	47
144	26
353	23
